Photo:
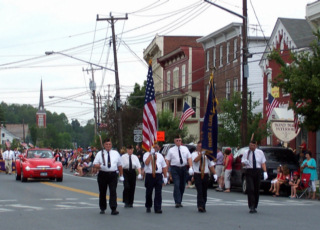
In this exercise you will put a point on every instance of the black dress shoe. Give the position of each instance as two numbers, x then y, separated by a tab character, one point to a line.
130	205
179	206
200	209
102	212
127	205
114	212
252	210
158	211
148	210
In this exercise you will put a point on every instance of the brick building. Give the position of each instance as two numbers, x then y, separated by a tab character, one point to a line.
289	35
223	50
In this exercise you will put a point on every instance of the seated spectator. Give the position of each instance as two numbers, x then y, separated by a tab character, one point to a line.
284	179
294	183
275	180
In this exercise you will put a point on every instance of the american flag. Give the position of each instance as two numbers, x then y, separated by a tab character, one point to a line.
149	127
296	120
187	112
273	103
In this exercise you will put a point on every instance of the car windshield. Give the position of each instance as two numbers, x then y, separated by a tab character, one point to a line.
281	155
40	154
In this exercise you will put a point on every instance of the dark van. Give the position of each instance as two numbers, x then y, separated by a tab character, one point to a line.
275	156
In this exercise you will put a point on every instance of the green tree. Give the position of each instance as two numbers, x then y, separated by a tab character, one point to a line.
230	116
136	98
170	124
2	117
302	80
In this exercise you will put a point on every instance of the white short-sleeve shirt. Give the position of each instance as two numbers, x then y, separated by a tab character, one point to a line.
259	155
196	165
134	160
160	162
115	159
173	155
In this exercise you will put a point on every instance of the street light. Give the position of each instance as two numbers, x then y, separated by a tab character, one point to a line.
245	69
102	67
69	99
119	120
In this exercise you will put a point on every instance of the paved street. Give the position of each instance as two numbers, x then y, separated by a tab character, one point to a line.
73	204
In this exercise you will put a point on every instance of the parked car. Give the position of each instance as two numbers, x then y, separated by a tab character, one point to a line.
275	156
38	163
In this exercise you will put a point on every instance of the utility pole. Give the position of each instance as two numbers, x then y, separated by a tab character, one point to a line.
245	68
93	89
112	20
245	73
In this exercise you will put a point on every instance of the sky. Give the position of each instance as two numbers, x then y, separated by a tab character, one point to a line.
30	28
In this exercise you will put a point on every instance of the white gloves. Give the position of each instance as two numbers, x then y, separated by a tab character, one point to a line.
152	151
165	180
139	177
203	152
215	177
121	178
191	171
265	175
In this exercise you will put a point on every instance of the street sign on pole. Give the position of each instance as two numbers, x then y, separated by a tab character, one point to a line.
137	138
137	132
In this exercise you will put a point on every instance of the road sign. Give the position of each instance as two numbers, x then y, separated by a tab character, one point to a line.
137	132
161	136
137	138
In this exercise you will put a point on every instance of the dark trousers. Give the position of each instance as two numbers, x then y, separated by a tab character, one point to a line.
129	185
106	179
155	183
179	177
253	178
202	188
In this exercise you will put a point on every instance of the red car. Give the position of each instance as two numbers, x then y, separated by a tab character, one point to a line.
38	163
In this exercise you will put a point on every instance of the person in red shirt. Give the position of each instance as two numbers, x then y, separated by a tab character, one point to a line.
227	169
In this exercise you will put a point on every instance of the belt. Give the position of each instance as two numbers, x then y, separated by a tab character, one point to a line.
109	172
156	173
129	169
178	166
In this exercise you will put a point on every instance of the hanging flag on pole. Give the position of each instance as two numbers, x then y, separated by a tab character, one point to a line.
187	112
149	127
210	124
273	103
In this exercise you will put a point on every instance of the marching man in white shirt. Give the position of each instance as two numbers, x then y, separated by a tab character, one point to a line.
178	158
254	160
8	157
155	176
201	166
130	163
108	161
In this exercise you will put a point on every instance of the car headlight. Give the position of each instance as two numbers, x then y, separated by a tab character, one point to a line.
58	167
27	168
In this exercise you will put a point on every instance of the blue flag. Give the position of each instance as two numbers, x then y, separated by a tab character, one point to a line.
210	124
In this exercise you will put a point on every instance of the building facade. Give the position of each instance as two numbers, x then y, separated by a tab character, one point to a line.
183	82
289	35
223	52
160	46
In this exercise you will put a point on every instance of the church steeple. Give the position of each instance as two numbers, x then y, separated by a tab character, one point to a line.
41	114
41	104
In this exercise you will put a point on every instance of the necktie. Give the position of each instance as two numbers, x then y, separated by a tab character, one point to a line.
130	163
109	161
104	161
181	161
254	165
